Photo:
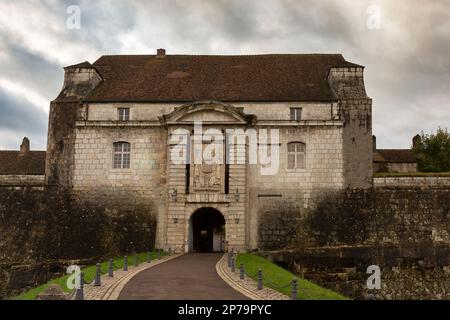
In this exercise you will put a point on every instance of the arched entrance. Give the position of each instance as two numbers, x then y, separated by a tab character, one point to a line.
207	231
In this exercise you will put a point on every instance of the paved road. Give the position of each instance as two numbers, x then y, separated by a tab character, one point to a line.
189	277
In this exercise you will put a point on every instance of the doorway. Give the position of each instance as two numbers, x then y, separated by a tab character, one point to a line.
208	230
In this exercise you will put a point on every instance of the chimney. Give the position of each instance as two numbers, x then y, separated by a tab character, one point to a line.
374	143
25	146
161	52
416	140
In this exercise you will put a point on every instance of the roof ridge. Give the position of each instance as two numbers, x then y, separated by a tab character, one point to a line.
227	55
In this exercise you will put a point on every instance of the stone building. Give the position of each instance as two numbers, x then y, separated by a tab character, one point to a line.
23	168
113	126
394	160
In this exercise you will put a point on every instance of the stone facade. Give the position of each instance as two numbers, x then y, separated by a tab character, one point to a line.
336	134
394	167
20	181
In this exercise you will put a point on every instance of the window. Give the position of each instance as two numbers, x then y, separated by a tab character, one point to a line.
124	114
296	155
122	152
296	114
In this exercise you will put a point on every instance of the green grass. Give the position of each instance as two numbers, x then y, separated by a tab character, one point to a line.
275	277
89	274
411	174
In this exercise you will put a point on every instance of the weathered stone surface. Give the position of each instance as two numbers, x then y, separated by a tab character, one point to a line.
407	271
53	292
40	228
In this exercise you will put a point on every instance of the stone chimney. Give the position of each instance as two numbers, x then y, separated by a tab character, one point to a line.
161	52
25	146
416	140
374	143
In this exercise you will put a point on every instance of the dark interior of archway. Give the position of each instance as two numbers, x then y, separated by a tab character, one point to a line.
206	222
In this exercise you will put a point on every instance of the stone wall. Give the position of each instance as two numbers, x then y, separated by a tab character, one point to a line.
411	182
407	271
369	216
356	109
60	143
323	169
406	231
265	111
44	226
22	180
402	167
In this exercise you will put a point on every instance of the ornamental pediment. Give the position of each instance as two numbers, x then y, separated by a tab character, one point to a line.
207	112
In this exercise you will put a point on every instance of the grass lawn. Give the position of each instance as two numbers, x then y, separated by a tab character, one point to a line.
275	276
89	274
411	174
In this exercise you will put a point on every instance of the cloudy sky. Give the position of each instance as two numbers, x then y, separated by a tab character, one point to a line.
404	44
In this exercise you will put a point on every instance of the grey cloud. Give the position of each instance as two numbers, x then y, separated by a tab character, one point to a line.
18	114
407	60
31	69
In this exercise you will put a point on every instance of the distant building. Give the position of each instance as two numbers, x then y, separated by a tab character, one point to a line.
393	160
24	168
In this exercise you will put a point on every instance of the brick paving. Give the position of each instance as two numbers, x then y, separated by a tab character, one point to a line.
111	287
248	286
189	277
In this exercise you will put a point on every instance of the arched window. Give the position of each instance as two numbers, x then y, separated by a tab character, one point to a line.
122	152
296	155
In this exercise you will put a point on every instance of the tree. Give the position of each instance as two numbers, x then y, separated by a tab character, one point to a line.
433	151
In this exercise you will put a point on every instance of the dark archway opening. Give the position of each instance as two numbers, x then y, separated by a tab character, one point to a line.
208	231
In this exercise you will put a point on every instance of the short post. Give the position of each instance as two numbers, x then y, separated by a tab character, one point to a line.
125	263
149	257
136	260
170	251
294	289
241	271
260	280
233	265
111	268
229	259
159	254
97	281
79	293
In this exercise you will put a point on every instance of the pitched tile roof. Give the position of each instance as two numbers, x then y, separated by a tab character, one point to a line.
184	78
394	155
15	162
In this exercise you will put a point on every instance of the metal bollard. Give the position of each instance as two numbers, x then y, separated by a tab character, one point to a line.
170	251
260	280
242	271
136	260
149	257
125	263
111	268
159	254
233	265
79	293
294	289
97	281
229	259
